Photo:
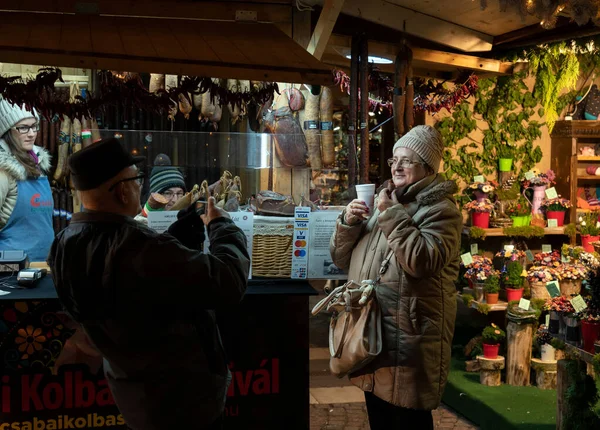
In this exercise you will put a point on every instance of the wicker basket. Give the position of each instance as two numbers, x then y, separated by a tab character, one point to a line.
272	246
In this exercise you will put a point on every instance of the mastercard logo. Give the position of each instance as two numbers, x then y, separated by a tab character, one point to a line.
300	243
300	253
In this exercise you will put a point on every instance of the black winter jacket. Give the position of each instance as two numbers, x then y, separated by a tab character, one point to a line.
146	302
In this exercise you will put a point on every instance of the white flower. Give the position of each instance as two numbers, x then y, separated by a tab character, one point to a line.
582	222
580	219
486	189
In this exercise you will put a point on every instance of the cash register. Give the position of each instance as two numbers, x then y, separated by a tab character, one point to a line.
15	261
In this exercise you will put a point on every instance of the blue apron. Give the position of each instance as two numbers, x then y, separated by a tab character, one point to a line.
29	227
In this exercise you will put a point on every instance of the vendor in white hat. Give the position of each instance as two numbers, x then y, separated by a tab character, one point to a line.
26	203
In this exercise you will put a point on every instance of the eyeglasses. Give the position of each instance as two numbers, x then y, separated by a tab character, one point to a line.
24	129
170	194
404	163
139	179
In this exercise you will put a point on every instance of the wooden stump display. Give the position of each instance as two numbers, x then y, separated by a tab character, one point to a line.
518	357
490	373
545	373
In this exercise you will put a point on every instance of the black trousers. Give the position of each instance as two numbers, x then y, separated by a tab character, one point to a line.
385	416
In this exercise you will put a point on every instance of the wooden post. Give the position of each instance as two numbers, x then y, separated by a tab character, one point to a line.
490	374
519	338
365	161
545	373
563	382
352	114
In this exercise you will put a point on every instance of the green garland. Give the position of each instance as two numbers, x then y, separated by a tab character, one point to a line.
525	231
477	233
506	105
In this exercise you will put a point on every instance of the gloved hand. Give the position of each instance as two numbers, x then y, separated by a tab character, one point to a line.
189	228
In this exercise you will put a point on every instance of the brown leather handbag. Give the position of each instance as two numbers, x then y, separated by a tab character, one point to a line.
355	337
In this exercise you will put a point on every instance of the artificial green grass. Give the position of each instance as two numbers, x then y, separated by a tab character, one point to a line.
499	408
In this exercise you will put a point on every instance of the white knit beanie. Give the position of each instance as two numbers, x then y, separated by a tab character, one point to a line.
11	114
427	142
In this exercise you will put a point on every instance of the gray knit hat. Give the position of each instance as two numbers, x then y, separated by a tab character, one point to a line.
164	177
11	114
427	142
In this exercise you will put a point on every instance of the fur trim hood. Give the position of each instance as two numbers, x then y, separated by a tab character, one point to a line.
11	165
437	191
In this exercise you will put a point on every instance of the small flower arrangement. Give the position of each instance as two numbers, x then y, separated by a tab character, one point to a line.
557	204
479	206
543	336
513	277
520	207
548	258
483	187
567	272
480	269
559	304
591	318
539	178
541	274
589	260
513	255
588	224
493	335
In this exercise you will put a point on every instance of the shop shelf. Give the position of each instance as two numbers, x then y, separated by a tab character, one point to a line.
498	307
491	232
588	158
589	178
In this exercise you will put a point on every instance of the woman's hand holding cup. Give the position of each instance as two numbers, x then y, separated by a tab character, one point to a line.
356	211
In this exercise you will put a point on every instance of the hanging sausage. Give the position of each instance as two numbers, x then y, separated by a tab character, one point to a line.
326	126
310	124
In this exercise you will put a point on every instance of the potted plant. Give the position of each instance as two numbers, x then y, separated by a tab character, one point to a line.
481	190
480	212
543	338
492	289
519	211
556	209
538	184
538	277
491	338
513	281
590	330
505	153
571	276
588	227
560	307
477	273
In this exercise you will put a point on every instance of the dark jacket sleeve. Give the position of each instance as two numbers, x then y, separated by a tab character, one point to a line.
174	274
423	250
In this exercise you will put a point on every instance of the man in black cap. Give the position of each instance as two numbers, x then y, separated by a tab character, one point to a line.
144	299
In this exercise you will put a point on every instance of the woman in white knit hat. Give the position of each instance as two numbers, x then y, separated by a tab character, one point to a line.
416	217
26	203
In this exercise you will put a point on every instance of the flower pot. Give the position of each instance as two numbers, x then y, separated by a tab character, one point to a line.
521	221
491	351
539	291
548	353
559	216
491	298
570	287
479	294
505	164
554	325
590	331
514	294
562	326
573	333
586	242
480	219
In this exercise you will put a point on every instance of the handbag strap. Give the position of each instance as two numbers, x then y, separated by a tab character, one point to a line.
384	266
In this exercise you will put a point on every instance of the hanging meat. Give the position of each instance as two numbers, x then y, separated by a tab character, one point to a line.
290	143
63	149
157	82
234	106
310	126
296	99
185	107
211	109
327	140
197	99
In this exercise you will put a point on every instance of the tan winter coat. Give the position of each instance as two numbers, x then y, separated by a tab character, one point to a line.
417	295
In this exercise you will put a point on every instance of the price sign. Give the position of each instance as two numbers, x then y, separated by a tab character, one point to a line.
552	223
529	175
467	259
547	320
578	303
553	288
546	248
551	193
564	258
509	248
474	249
479	178
524	304
529	255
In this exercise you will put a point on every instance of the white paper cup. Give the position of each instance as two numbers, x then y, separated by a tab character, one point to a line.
366	193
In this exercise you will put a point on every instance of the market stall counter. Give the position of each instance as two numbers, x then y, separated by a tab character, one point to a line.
266	339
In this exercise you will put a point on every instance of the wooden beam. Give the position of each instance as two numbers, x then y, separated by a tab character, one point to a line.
417	24
329	14
301	27
424	58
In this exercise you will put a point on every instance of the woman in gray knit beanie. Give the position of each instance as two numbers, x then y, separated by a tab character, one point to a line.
417	224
